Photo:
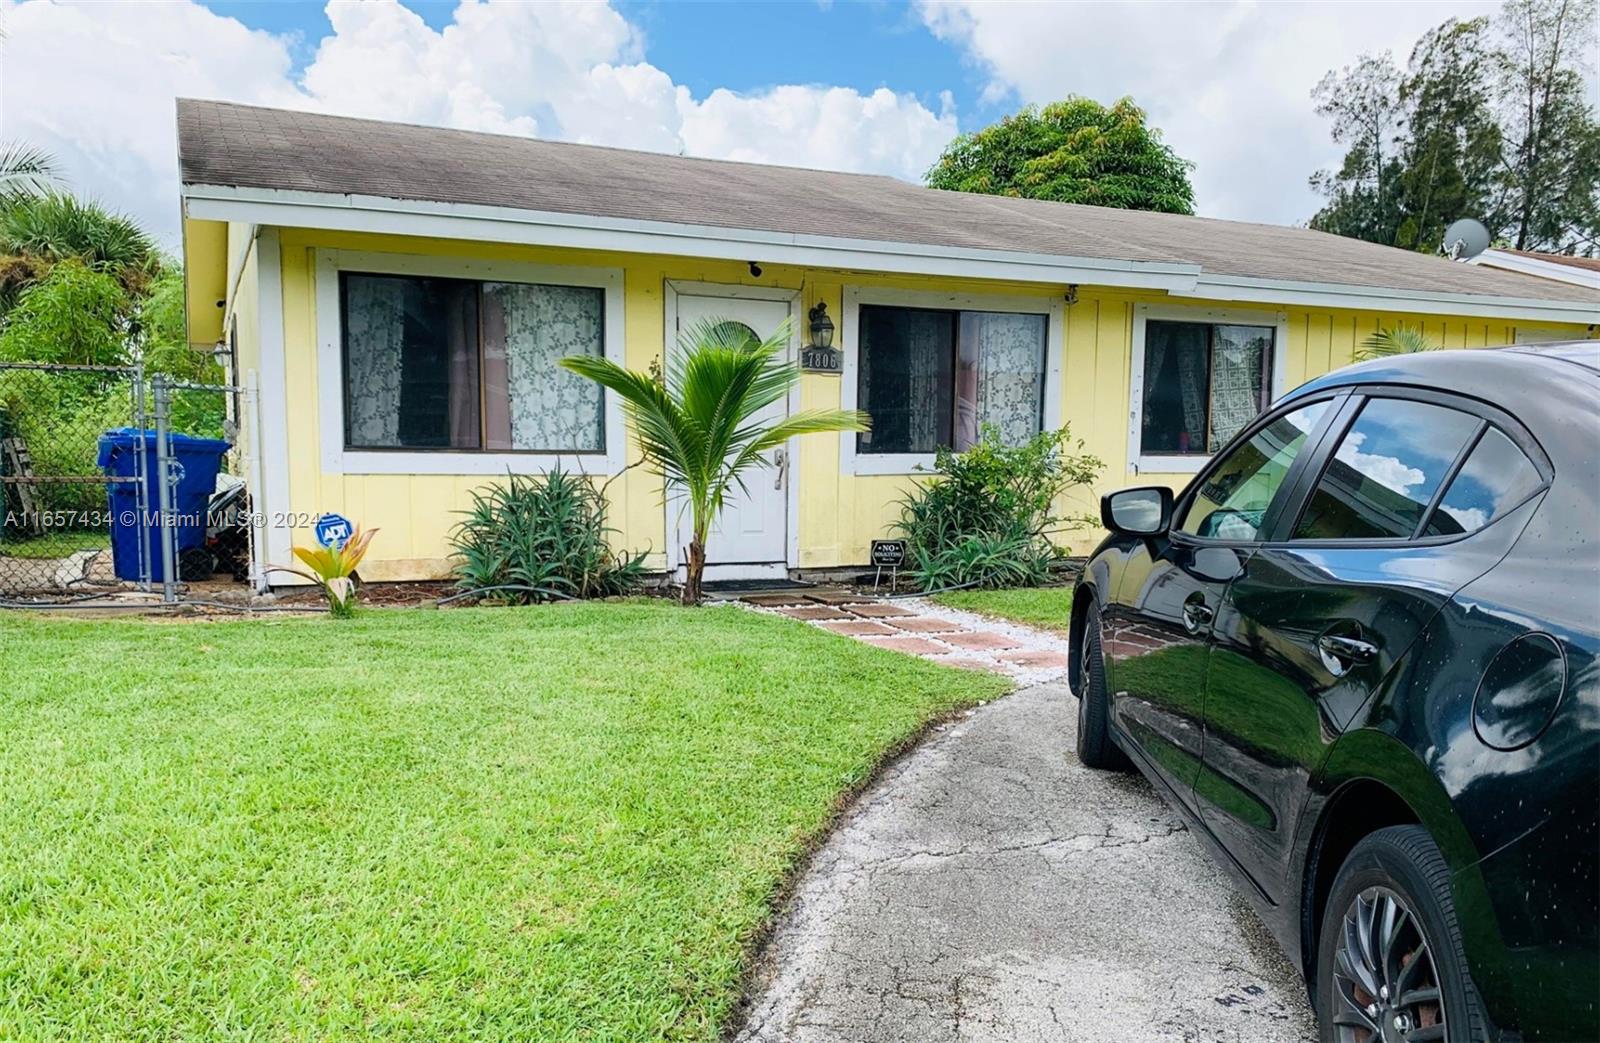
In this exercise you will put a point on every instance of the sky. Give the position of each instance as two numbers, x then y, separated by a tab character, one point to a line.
866	86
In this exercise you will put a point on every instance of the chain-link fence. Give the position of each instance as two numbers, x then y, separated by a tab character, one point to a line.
82	516
55	524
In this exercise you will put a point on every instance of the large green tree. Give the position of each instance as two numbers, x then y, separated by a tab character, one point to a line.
1071	151
1489	119
1362	101
1451	150
1550	178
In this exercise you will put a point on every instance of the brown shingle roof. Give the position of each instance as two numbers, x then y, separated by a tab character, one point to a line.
245	146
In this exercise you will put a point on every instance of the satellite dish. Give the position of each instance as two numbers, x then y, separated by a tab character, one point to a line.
1465	239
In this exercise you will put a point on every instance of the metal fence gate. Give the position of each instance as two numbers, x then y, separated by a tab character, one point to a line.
82	522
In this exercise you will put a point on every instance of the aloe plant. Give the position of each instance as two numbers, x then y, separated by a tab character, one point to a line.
696	425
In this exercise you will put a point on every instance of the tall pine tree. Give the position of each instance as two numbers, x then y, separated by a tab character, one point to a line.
1488	120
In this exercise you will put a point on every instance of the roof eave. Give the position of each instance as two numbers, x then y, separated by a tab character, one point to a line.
1384	298
383	215
1537	266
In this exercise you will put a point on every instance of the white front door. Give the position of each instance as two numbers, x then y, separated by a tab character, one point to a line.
750	537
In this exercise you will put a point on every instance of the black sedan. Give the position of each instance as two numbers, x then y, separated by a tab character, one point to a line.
1361	653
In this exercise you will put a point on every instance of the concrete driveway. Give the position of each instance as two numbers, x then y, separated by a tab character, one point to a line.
989	887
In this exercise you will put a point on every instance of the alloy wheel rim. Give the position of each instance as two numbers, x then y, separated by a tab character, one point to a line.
1385	982
1085	672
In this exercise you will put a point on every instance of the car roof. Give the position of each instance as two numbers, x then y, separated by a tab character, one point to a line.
1511	377
1585	353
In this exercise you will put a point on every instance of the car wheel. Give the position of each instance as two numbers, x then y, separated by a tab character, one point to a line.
1095	748
1390	967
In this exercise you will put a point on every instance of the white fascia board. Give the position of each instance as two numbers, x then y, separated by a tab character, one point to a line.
1380	298
355	213
1537	266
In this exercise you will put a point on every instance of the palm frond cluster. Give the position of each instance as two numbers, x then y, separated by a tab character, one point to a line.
699	425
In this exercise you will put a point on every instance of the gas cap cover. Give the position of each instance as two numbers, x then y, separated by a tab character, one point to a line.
1519	693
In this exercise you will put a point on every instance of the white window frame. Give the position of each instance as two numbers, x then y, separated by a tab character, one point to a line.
852	462
336	459
1140	462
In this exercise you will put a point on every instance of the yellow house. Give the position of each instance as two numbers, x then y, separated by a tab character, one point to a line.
397	297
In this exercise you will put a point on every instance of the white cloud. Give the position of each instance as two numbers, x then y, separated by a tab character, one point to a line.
1388	471
95	85
1228	84
832	127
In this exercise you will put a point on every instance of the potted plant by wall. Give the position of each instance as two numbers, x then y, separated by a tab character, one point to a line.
695	423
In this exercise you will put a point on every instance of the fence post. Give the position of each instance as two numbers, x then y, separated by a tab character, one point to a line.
141	476
169	586
252	432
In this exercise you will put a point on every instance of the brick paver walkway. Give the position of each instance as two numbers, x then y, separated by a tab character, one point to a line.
922	628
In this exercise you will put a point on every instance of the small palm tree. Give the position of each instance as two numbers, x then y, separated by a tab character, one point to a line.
697	427
1402	340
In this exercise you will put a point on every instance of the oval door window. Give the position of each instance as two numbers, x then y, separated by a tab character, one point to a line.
731	332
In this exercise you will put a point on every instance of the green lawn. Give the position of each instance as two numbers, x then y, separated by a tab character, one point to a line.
1048	607
490	824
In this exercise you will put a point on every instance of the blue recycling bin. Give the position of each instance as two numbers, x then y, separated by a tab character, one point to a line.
192	476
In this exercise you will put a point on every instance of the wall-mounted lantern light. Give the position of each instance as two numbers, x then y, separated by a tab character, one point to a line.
821	326
820	356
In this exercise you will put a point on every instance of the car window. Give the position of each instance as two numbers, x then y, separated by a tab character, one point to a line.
1495	478
1386	470
1234	497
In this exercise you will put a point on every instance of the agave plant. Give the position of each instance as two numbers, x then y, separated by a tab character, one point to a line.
332	569
696	425
1402	340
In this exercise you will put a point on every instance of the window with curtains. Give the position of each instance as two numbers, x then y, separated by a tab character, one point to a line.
932	378
1203	382
462	365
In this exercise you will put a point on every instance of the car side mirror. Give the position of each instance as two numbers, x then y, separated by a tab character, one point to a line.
1145	511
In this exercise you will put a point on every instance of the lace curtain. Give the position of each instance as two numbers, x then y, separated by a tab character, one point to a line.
906	358
1005	354
1238	357
537	405
375	329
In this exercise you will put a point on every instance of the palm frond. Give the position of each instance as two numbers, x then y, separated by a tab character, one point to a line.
700	426
26	170
1401	340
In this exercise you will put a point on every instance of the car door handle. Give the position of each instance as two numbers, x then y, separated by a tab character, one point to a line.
1340	653
1197	615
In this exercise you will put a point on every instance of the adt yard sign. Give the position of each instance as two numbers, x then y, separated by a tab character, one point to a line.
333	530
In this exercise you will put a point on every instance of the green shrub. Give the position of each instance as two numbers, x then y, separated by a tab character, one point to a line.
544	538
986	517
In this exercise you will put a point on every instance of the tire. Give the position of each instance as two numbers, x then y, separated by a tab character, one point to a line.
1095	747
1423	984
196	565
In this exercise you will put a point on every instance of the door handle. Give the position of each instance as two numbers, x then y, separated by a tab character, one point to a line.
780	456
1197	615
1340	653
